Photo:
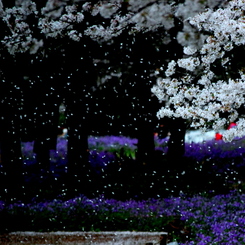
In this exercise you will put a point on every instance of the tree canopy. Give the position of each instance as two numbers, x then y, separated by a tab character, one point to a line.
206	86
71	50
127	40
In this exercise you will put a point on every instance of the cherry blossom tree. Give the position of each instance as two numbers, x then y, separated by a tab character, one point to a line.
55	49
206	86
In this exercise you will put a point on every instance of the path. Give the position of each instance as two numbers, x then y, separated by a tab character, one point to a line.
79	238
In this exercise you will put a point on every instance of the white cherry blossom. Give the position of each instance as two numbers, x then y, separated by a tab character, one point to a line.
197	87
210	99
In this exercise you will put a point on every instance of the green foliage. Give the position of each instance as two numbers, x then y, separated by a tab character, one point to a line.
80	214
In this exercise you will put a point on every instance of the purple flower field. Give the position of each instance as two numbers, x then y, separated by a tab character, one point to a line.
218	157
216	220
218	163
103	150
214	149
213	219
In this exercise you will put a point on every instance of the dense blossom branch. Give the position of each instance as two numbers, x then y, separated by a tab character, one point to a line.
58	19
209	36
199	94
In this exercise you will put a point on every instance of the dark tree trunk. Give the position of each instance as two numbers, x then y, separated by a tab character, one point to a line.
41	103
11	169
176	143
46	140
29	103
80	77
146	119
11	178
146	145
77	150
12	182
46	134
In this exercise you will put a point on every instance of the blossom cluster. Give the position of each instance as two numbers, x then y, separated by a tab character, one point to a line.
101	21
203	94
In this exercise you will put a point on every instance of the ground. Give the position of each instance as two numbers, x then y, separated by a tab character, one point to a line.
79	238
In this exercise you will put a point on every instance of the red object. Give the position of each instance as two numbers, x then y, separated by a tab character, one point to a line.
218	136
232	125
